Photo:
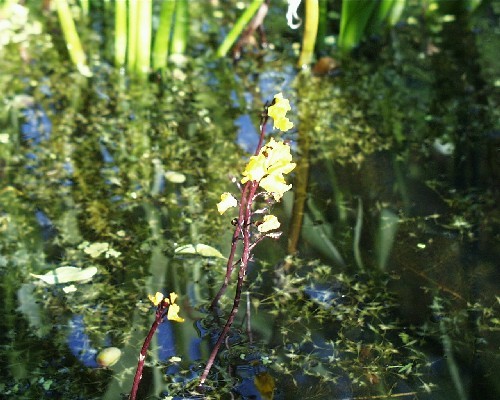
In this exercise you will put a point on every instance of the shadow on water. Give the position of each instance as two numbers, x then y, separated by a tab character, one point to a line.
385	283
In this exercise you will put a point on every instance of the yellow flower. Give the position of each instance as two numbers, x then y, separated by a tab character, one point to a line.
268	167
276	185
173	309
278	113
269	223
156	299
226	201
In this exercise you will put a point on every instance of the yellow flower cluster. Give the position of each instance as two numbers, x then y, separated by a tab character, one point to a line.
268	167
278	113
173	309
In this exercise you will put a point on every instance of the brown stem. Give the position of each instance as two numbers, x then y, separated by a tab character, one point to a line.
263	121
160	313
247	213
243	228
226	328
236	235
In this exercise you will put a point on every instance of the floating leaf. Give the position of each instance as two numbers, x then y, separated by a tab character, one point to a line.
96	249
175	177
69	289
67	274
199	249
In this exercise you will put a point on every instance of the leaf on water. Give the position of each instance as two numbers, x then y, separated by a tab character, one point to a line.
199	249
96	249
175	177
67	274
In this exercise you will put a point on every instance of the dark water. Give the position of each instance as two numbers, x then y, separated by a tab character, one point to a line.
385	281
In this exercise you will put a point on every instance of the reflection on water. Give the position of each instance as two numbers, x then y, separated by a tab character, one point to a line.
390	290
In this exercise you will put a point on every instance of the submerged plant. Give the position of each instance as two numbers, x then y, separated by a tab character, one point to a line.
265	171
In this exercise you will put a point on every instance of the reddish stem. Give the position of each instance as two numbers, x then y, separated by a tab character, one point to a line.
242	217
160	313
242	228
236	235
247	216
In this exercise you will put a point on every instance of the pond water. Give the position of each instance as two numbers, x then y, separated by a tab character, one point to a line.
384	283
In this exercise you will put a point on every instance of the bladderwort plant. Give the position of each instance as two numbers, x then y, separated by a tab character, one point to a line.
263	179
264	171
165	308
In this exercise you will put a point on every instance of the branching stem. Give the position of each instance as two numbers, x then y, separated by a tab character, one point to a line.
241	232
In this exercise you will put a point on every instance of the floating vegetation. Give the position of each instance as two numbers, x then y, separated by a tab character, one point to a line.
109	192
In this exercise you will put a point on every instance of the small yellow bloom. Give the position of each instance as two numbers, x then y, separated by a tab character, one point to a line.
173	313
283	124
269	223
156	299
226	201
276	185
173	296
278	113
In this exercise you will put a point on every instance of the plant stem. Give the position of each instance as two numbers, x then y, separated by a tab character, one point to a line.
230	262
238	27
162	37
238	230
73	43
181	28
247	211
310	32
160	313
243	228
133	8
120	33
144	29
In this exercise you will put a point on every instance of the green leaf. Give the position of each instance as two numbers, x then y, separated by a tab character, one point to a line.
199	249
67	274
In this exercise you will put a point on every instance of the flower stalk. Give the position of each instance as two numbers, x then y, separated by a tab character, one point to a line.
265	170
165	308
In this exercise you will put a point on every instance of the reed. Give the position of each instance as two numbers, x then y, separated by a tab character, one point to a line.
180	28
120	33
73	43
310	33
133	9
143	41
238	27
162	37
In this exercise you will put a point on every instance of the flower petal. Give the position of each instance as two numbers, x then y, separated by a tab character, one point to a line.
173	313
226	201
276	185
269	223
255	169
156	299
278	113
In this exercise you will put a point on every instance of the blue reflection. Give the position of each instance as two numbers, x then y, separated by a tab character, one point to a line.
37	126
79	343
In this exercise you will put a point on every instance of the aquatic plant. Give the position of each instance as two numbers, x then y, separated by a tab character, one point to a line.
165	308
72	38
265	170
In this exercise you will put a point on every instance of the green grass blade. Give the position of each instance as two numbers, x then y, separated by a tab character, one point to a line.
71	37
181	28
162	38
238	27
120	33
